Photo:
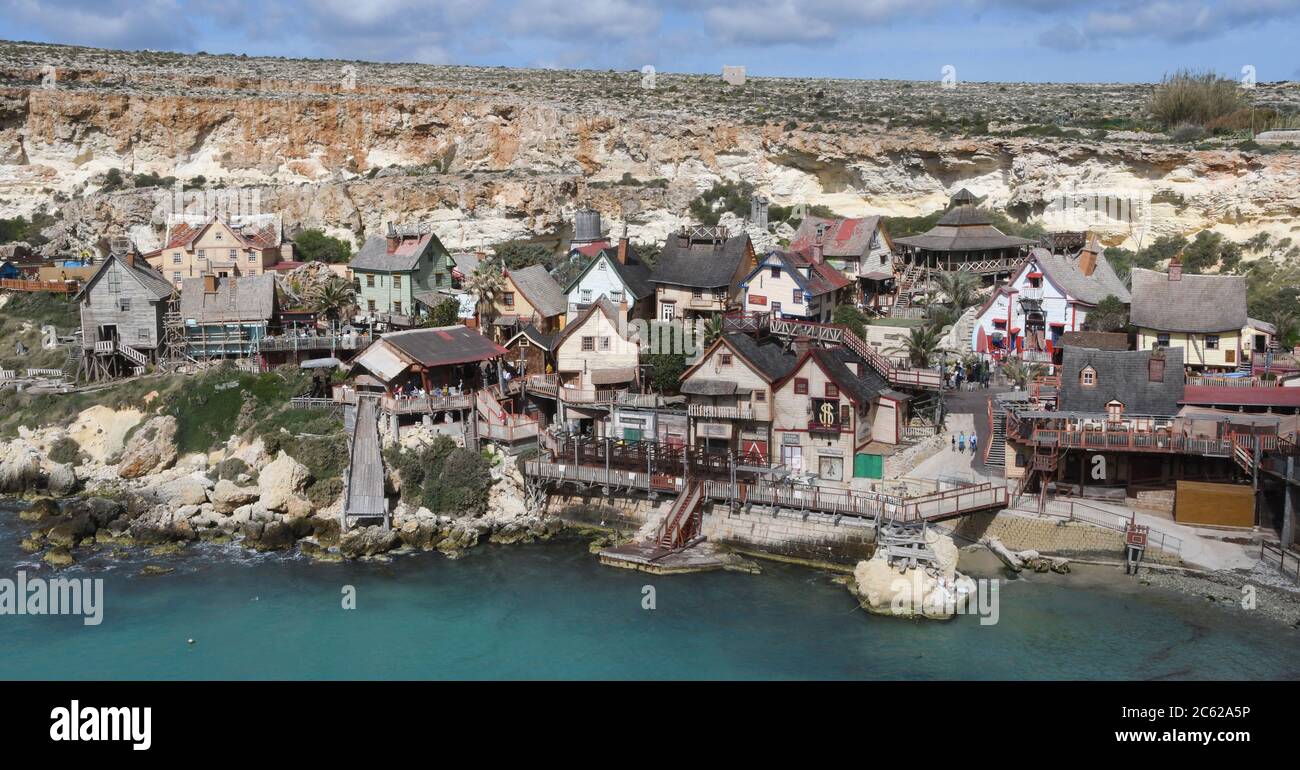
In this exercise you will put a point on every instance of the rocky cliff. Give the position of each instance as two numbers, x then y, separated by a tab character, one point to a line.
487	155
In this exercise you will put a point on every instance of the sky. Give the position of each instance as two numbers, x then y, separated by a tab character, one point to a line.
983	40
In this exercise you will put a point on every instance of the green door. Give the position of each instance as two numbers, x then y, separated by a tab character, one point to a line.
631	434
868	466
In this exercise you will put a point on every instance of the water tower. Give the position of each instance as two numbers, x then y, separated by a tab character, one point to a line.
586	227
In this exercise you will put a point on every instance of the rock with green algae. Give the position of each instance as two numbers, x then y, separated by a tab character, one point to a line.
32	544
317	552
59	556
154	569
166	549
39	509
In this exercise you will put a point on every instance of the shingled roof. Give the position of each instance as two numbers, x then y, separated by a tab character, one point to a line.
258	231
540	289
1122	375
701	264
820	279
842	238
374	254
153	281
634	274
252	299
1064	271
1192	303
963	228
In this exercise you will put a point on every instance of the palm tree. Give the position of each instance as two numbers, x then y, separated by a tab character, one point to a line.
959	289
1286	325
333	298
485	284
1020	372
922	346
712	330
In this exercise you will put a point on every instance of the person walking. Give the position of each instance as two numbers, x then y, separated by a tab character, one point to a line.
961	442
954	442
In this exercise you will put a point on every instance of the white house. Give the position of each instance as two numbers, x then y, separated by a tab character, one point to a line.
618	275
795	285
1051	294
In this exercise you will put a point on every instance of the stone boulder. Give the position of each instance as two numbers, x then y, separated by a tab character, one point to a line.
39	509
275	535
281	480
368	541
151	449
885	589
62	479
227	496
187	490
100	510
161	525
20	467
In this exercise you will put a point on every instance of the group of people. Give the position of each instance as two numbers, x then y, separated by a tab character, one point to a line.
978	375
415	391
960	442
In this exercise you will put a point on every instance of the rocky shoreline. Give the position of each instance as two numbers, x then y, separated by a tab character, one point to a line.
141	492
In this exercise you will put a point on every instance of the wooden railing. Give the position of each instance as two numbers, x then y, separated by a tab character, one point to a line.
895	372
57	287
589	395
1288	562
292	342
723	412
1131	441
1233	382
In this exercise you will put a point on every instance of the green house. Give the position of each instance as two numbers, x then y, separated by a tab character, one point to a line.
388	272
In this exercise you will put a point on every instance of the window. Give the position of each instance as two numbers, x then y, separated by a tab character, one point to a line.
114	282
1211	342
370	305
846	416
586	295
124	304
776	308
252	271
725	359
588	343
760	396
832	390
604	343
203	253
601	265
176	275
176	257
797	297
370	281
697	293
1162	340
142	335
397	281
523	342
801	386
508	299
776	272
218	235
1088	377
397	306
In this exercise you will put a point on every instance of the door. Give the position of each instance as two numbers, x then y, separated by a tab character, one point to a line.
108	333
667	311
631	434
867	466
792	457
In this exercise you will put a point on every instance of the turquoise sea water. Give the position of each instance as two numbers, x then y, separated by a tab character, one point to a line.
549	611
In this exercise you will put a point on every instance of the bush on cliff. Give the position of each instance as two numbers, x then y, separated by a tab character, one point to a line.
443	477
1196	98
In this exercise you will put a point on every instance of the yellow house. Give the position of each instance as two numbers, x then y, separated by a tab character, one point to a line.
530	296
222	248
1205	315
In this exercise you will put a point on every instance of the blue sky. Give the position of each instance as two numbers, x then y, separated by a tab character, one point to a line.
1013	40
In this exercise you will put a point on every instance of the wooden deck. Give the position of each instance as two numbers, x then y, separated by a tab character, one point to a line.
364	483
56	287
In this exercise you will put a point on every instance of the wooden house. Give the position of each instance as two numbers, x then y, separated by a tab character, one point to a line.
699	273
123	308
227	317
620	276
729	394
530	296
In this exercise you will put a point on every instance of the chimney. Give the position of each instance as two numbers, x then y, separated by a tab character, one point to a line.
1088	257
1175	269
622	246
817	248
802	345
209	284
683	238
393	240
129	257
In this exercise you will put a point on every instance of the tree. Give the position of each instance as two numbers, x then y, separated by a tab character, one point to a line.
922	347
665	370
850	316
333	298
712	330
486	284
520	254
316	246
1110	315
445	313
1020	372
959	289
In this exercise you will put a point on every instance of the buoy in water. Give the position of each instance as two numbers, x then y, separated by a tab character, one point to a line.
189	641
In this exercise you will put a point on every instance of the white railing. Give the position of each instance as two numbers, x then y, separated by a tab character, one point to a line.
722	412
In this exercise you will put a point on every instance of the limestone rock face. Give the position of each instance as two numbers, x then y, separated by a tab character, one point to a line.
186	490
227	496
367	541
914	593
62	479
281	480
20	466
151	449
101	431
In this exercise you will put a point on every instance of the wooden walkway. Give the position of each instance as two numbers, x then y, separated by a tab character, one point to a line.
364	482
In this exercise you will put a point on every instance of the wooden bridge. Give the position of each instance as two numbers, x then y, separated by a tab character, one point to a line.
363	483
895	372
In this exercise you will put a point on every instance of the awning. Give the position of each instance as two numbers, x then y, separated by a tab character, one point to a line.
612	376
380	360
320	363
702	386
506	320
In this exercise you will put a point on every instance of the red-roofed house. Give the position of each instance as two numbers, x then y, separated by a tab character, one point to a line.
859	247
223	248
796	285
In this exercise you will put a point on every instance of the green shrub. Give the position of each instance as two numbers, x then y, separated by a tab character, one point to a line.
316	246
65	450
443	477
1195	98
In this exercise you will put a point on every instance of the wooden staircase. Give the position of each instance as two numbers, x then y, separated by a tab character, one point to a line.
683	520
995	454
912	275
833	333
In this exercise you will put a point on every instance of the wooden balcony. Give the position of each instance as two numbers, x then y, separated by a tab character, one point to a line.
815	426
711	412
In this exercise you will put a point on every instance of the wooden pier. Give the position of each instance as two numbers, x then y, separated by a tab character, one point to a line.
363	490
